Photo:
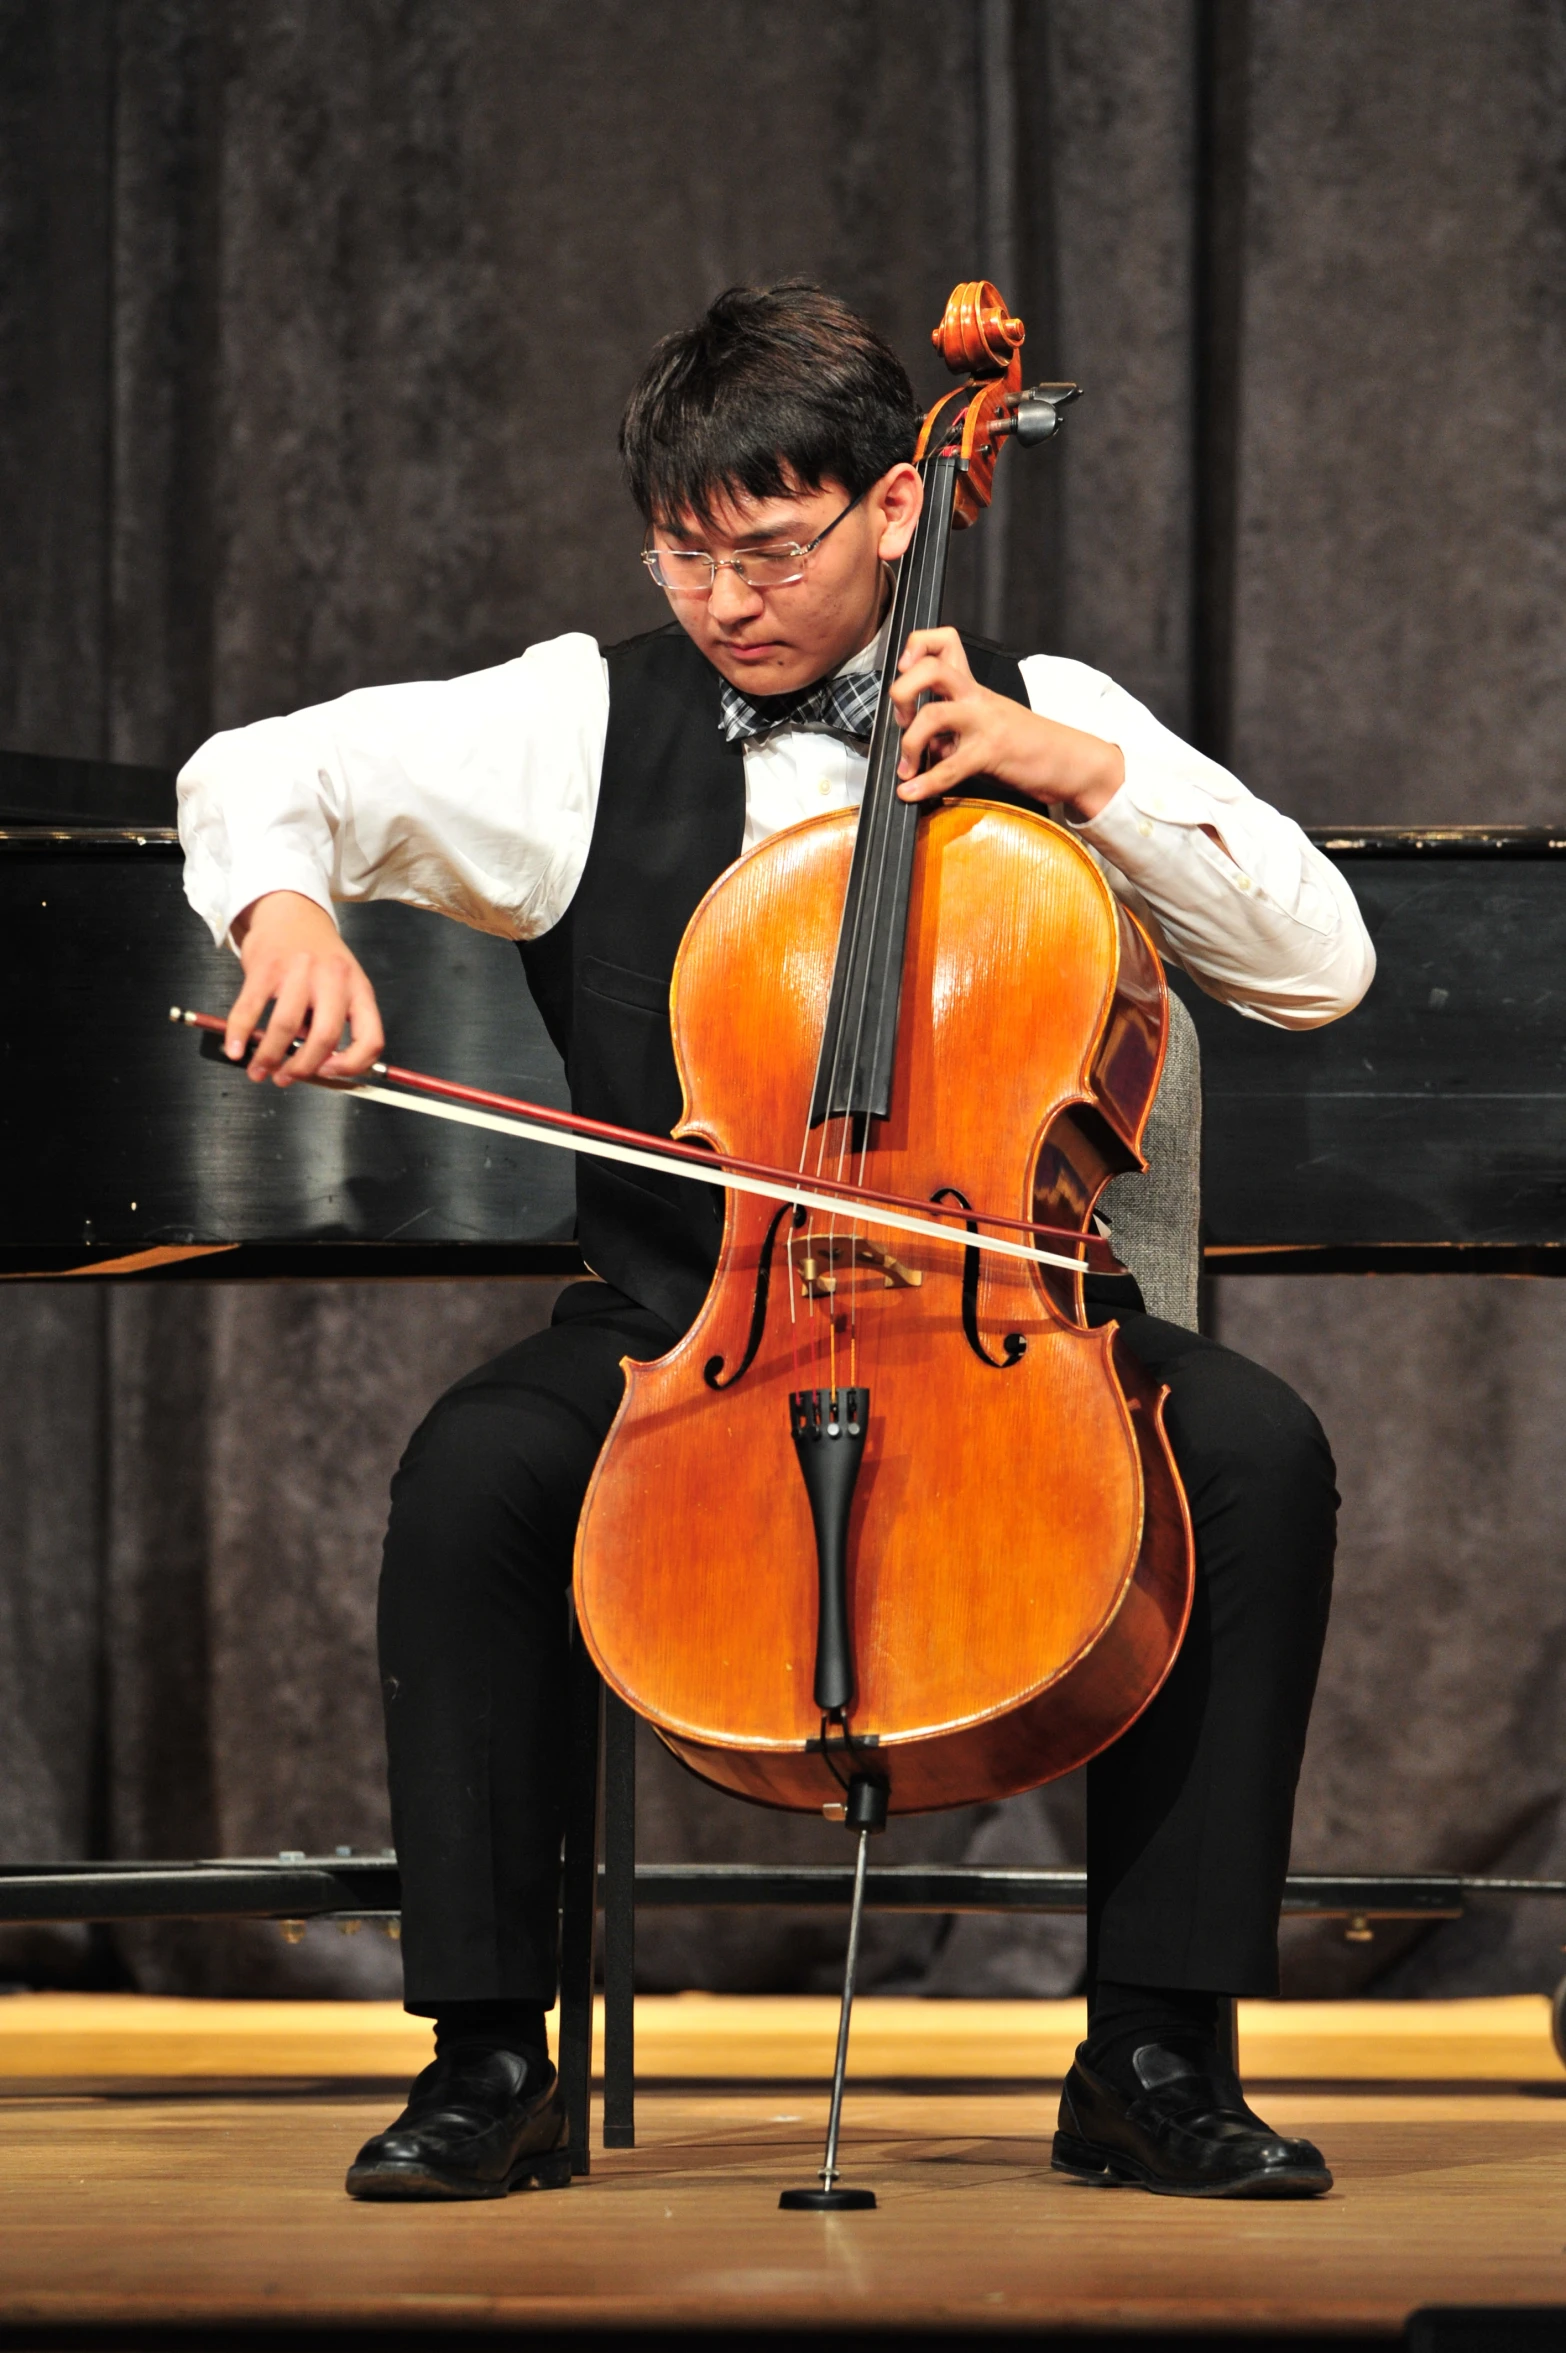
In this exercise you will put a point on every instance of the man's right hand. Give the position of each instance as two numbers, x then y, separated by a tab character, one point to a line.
292	952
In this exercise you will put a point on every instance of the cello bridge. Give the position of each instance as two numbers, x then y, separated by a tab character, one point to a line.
821	1254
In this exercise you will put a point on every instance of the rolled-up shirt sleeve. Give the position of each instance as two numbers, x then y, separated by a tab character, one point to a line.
472	796
1257	916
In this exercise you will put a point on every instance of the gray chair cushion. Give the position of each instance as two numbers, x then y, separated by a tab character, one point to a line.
1155	1218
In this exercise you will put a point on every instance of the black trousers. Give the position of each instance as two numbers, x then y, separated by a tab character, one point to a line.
1188	1814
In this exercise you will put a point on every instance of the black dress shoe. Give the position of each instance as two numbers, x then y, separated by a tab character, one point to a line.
1188	2134
478	2123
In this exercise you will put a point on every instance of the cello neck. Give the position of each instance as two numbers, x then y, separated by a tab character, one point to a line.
859	1043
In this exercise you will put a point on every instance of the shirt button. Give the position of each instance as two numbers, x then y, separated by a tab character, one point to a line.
1242	882
824	787
1142	826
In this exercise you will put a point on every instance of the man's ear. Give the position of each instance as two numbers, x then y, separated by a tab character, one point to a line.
897	500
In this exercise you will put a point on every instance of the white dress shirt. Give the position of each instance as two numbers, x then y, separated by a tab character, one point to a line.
475	797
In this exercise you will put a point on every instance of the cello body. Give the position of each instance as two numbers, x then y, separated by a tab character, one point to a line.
1018	1560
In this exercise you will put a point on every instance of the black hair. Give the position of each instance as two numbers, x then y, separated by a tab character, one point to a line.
773	388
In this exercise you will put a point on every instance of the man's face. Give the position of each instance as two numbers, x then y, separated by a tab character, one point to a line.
773	640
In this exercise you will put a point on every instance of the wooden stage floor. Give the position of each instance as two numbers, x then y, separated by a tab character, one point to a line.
168	2163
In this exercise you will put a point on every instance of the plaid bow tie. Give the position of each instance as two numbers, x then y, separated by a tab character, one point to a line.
845	706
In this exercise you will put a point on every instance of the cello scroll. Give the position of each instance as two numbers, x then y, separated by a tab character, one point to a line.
979	336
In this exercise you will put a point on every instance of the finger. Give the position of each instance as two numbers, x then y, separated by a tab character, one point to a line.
927	651
957	720
942	649
922	731
327	1012
926	677
943	776
369	1038
943	644
246	1009
288	1018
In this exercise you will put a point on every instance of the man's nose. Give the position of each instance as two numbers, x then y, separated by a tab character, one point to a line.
733	599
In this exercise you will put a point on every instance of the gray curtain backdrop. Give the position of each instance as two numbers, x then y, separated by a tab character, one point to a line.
317	321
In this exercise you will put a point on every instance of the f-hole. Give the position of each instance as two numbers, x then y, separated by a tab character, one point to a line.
1014	1346
712	1370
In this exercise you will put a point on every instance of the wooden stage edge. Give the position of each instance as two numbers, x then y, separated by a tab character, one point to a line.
171	2171
766	2038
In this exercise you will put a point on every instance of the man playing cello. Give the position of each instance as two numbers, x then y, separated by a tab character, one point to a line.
580	802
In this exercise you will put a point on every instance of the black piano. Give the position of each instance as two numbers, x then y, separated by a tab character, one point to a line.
1424	1133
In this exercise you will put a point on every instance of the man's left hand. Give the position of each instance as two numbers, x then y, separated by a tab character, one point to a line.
975	733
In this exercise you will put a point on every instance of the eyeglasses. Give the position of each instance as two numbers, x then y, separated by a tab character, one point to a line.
690	571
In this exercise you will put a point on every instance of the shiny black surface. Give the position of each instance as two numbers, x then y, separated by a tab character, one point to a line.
1427	1131
368	1886
118	1136
1433	1117
36	789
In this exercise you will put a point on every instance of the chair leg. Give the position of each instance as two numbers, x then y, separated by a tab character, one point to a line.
619	1899
579	1900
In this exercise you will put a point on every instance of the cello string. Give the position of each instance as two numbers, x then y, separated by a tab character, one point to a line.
866	909
848	1042
885	840
846	961
878	815
879	818
917	573
903	595
874	819
849	942
927	551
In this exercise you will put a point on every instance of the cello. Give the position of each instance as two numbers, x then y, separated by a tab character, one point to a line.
891	1530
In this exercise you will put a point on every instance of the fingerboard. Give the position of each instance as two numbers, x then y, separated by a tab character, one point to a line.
859	1043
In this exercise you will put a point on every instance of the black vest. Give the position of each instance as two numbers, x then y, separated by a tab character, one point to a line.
671	817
